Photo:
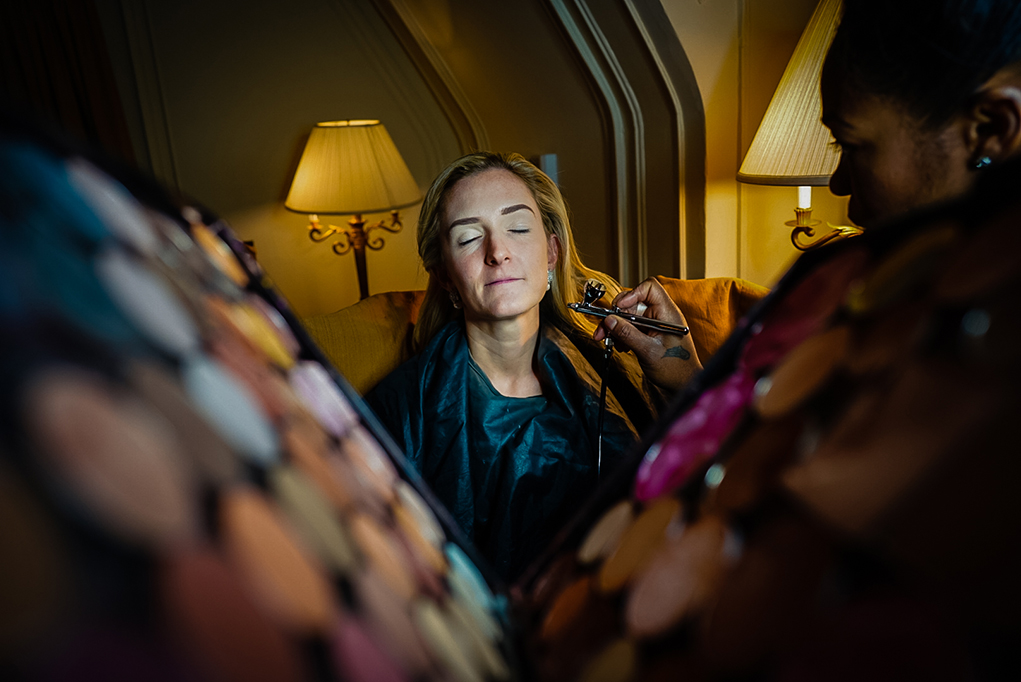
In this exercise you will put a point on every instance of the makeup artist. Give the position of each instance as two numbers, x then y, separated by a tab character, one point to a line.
921	96
499	410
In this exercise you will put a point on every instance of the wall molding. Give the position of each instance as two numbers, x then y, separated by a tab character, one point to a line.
152	104
627	130
371	37
465	121
679	80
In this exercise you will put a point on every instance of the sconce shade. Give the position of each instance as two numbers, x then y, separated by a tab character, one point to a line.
792	146
351	167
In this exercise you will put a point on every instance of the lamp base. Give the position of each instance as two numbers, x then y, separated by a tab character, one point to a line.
805	225
356	239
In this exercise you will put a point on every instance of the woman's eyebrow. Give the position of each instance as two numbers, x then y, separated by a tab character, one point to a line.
462	221
504	211
516	207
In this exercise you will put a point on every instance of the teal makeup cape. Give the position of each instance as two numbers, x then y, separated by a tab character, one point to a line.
512	471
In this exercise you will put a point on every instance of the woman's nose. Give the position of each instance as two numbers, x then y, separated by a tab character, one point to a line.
840	182
496	250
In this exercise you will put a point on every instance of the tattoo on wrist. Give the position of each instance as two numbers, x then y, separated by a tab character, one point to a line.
677	352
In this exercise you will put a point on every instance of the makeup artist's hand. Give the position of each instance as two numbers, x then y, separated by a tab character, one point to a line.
668	361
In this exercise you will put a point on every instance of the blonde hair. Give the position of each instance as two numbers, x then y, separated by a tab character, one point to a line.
569	274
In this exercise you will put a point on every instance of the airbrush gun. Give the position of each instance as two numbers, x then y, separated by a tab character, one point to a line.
594	291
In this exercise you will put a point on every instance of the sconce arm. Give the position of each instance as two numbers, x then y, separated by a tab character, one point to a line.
838	232
376	243
316	232
804	225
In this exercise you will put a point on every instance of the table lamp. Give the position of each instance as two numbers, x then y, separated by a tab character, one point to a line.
352	168
792	146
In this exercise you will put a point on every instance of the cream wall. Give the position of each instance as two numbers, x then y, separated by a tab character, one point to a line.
738	50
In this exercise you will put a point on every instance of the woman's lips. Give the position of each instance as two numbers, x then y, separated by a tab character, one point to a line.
505	280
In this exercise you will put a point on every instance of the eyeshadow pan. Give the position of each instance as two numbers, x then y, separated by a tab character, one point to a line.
118	460
310	513
113	205
231	409
307	452
680	577
801	373
428	526
566	608
385	553
638	543
427	552
434	628
370	463
253	372
604	537
803	311
210	454
753	467
277	325
322	398
280	576
465	579
148	302
388	618
694	437
359	658
487	657
219	254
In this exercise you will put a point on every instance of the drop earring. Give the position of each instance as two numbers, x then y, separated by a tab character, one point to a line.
455	300
549	279
982	162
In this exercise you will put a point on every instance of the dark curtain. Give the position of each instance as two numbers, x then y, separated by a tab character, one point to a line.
55	64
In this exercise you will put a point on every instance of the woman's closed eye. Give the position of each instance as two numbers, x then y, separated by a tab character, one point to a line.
462	236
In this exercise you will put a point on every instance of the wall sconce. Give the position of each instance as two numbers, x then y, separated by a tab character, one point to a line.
792	146
352	168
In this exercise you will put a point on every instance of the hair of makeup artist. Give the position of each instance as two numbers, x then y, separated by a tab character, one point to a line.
569	275
929	56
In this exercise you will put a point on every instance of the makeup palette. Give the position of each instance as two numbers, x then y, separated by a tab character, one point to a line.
186	490
787	499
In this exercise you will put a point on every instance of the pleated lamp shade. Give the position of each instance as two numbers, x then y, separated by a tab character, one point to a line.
351	167
792	146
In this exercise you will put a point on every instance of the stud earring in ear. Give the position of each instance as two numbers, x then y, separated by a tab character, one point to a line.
982	162
455	300
549	279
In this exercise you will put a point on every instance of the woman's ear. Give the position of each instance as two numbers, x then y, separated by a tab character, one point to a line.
552	252
994	129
